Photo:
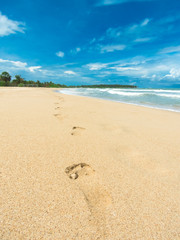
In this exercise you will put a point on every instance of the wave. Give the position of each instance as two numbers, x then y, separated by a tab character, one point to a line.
155	98
125	93
169	95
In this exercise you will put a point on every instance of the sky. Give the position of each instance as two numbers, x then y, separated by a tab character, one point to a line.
76	42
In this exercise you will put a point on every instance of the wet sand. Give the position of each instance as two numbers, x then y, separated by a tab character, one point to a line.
80	168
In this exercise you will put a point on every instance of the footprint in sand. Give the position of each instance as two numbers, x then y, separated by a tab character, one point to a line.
98	199
77	130
77	170
95	194
57	115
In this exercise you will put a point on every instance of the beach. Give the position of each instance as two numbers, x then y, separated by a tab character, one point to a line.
80	168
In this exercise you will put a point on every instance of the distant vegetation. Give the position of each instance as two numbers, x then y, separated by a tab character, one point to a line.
105	86
5	80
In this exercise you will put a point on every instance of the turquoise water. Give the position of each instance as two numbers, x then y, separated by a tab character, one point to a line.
167	99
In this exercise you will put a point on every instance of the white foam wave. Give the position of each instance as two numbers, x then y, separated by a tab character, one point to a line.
169	95
160	99
125	93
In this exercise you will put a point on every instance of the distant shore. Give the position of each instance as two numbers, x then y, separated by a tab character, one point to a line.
79	168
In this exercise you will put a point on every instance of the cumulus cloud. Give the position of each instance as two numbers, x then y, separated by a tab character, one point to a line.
154	68
173	73
15	63
69	72
112	48
8	26
60	54
95	66
34	68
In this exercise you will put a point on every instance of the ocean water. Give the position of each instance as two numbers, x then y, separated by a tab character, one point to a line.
167	99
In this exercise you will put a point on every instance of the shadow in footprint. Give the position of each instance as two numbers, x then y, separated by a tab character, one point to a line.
77	130
76	170
57	115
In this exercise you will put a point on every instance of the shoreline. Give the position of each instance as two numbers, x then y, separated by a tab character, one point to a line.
140	105
84	168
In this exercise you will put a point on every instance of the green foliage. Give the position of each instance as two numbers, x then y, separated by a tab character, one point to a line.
5	77
18	79
5	80
105	86
2	83
21	85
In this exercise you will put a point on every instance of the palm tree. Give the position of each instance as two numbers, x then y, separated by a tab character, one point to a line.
6	77
19	79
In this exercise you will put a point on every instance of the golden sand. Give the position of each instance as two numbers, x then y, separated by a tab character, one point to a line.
76	168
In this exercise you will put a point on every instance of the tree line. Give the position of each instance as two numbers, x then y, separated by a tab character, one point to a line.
105	86
18	81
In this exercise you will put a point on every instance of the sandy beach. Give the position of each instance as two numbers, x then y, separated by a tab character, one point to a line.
76	168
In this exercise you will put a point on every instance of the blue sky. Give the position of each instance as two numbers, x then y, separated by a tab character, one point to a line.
92	41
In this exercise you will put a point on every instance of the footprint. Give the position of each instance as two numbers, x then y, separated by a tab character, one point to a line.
94	193
97	197
77	130
77	170
57	115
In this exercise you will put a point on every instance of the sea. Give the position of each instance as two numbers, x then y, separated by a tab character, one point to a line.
166	99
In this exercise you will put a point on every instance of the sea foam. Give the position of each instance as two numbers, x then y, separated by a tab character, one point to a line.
167	99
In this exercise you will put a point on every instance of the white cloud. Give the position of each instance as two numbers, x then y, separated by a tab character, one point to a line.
113	32
70	72
145	39
60	54
172	49
96	66
15	63
119	38
78	49
154	68
113	2
75	51
112	48
8	26
121	69
37	72
145	22
173	73
34	68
